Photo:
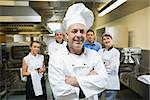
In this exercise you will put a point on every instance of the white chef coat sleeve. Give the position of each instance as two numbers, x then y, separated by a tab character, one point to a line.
115	62
94	84
50	49
56	77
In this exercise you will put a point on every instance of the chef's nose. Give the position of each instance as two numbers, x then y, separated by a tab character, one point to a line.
78	33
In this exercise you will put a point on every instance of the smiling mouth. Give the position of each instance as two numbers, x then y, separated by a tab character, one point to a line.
78	41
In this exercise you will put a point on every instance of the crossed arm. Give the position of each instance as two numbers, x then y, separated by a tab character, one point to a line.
71	80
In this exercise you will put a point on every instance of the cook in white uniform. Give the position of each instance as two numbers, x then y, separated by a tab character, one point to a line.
58	43
76	72
33	68
111	59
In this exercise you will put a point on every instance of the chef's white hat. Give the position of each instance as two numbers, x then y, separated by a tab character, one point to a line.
107	34
78	13
59	31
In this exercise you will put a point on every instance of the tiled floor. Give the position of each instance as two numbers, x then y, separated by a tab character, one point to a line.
124	94
127	94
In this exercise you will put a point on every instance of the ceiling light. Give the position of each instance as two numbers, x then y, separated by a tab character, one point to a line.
111	7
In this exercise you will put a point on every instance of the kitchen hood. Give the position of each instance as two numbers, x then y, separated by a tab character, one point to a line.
17	17
18	14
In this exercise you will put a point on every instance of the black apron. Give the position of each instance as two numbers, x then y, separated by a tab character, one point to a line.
30	95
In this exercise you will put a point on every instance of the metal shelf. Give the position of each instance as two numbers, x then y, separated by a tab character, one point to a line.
13	80
2	81
2	93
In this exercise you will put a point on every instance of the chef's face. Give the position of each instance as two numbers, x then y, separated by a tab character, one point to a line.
35	48
75	35
59	37
107	41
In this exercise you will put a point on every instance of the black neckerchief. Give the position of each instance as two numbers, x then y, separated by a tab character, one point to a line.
108	48
76	54
61	42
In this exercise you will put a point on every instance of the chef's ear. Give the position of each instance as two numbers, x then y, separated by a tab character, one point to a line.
66	35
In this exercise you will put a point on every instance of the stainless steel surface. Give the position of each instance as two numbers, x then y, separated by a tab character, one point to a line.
54	10
17	17
131	55
145	61
0	55
139	87
2	70
16	52
13	12
3	53
129	72
28	12
49	10
129	79
23	28
2	80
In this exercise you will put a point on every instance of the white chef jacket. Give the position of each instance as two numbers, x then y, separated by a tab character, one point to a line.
111	59
64	63
54	46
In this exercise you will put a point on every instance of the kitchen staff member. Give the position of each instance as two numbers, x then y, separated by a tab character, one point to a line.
33	68
111	59
76	72
90	41
58	43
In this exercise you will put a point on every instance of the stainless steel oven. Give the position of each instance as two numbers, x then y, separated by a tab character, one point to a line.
3	53
16	51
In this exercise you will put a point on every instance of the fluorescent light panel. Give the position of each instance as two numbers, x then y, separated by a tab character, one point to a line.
111	7
48	0
14	3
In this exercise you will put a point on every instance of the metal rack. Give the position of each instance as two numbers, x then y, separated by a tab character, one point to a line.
13	80
2	81
3	57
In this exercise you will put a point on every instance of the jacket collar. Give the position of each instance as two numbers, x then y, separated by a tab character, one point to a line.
87	43
61	42
83	50
108	49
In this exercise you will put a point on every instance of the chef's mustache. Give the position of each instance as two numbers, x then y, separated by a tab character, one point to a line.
77	38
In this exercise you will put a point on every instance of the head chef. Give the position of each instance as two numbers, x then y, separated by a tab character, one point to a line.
70	72
77	21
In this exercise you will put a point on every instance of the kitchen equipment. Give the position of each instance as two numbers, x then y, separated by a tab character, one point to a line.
3	53
132	56
16	51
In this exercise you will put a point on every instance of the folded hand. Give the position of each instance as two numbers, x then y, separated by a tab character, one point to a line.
71	80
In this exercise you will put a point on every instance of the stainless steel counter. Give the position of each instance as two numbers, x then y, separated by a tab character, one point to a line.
129	78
